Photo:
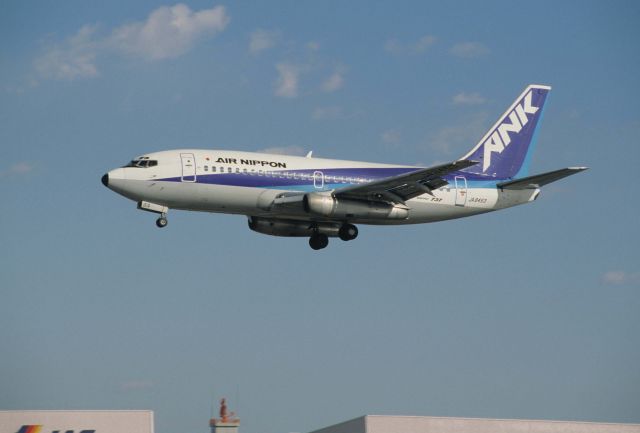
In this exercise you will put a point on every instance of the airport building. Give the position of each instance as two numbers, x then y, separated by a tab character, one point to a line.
141	421
430	424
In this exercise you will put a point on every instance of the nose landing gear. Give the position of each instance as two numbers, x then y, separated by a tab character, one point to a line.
162	221
155	208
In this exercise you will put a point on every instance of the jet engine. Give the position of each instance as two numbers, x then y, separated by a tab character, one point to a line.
327	205
292	228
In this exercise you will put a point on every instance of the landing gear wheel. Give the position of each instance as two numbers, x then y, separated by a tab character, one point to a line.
348	232
318	241
162	222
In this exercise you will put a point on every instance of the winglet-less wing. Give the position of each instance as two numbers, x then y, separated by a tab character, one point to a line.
398	189
533	182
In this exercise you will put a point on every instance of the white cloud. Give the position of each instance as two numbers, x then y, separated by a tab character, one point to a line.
621	277
287	83
334	82
459	138
464	98
19	168
305	72
325	113
19	89
261	40
285	150
421	45
74	58
469	50
391	137
168	32
393	46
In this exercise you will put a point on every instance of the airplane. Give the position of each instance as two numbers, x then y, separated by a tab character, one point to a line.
319	198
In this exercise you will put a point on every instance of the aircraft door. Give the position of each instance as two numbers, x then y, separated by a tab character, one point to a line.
318	180
188	167
461	190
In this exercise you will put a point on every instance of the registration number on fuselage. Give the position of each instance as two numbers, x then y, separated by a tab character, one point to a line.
430	199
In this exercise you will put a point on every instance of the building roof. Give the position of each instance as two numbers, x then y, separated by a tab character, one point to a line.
431	424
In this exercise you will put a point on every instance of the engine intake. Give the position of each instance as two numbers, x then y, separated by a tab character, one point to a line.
327	205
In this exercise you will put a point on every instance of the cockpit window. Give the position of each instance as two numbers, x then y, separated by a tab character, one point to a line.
142	163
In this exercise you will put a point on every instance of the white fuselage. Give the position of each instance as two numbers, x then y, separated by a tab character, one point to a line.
247	183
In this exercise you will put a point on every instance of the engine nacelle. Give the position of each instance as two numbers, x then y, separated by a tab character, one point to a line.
291	228
327	205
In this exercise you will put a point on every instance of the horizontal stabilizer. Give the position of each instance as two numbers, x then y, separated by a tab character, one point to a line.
533	182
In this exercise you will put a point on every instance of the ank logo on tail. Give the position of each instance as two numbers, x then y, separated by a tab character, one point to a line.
504	150
500	138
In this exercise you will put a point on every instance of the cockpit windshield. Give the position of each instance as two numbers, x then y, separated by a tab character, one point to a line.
142	162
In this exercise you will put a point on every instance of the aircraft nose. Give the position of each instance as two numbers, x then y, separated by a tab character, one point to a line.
105	180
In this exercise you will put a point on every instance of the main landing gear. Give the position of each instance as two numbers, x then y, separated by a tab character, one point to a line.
318	241
347	232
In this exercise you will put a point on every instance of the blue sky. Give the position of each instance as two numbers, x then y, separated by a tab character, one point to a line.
527	313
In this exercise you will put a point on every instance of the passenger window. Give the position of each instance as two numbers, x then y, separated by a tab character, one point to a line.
229	169
213	169
237	170
245	171
206	168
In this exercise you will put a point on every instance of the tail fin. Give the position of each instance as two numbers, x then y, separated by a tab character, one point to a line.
504	152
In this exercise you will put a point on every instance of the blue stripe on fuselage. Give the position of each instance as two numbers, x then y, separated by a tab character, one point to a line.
274	181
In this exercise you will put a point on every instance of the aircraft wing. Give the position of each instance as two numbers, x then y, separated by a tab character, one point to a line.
398	189
533	182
